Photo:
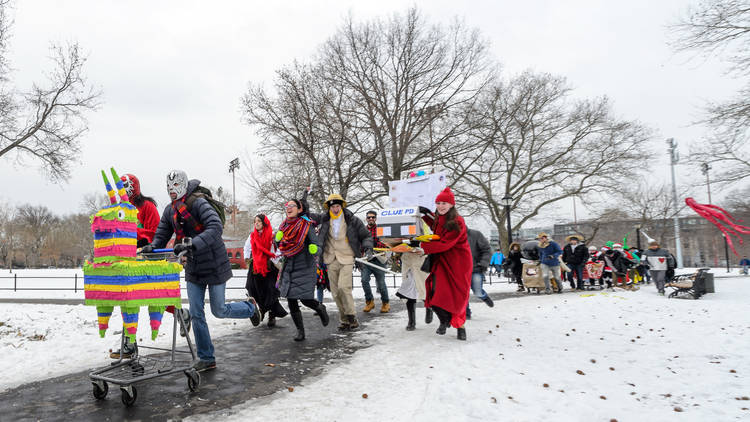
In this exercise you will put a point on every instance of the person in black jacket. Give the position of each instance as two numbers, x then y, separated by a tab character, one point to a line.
343	237
191	217
514	264
575	255
480	253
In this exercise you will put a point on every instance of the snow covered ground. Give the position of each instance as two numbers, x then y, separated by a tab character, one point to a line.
592	356
640	356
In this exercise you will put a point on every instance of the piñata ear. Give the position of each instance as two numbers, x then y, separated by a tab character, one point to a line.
110	192
120	186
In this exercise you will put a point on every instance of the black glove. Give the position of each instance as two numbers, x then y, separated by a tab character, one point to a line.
181	247
425	210
141	243
147	248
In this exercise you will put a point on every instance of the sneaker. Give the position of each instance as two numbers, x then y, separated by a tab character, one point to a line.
385	308
369	306
128	351
547	291
255	317
468	313
488	300
204	365
521	289
186	317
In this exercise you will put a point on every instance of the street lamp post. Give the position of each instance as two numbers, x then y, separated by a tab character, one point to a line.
638	238
234	165
673	159
507	201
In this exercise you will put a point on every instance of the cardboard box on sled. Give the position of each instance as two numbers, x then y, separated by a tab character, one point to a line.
532	276
399	223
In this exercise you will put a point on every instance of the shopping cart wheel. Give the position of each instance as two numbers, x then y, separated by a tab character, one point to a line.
194	379
101	388
129	395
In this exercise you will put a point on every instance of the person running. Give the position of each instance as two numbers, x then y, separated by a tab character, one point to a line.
368	271
207	266
549	254
298	244
515	265
412	283
480	253
148	220
656	260
262	274
343	237
449	283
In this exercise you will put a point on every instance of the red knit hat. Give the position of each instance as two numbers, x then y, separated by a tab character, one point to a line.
446	196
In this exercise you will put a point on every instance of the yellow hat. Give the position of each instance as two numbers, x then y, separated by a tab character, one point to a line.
333	199
542	234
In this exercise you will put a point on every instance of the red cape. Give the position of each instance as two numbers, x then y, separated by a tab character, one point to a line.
451	270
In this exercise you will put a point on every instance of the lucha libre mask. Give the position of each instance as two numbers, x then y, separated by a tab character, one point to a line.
128	184
177	183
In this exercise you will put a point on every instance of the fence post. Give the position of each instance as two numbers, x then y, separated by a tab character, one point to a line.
75	285
15	282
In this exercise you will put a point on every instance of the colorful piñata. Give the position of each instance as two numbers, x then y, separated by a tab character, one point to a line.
115	278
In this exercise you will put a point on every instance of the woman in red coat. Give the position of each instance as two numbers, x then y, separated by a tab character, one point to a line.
449	282
148	215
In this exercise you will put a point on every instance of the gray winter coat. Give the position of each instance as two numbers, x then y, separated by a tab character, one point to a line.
357	234
481	252
657	260
208	264
299	275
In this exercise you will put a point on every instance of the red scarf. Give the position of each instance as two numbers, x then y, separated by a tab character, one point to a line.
261	247
181	211
295	231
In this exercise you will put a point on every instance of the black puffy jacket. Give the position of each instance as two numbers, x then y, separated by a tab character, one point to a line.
577	257
208	264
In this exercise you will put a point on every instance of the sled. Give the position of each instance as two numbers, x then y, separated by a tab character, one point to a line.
532	278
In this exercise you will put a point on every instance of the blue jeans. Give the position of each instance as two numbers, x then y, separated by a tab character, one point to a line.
196	298
320	290
379	281
576	270
477	279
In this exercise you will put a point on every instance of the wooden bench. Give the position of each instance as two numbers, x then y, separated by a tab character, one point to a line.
689	285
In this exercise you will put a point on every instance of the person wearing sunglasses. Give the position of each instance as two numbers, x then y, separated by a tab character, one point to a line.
368	271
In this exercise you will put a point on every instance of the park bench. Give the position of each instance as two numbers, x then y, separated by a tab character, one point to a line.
693	284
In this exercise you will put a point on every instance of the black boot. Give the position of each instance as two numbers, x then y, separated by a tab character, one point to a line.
428	315
323	314
353	323
468	313
412	325
461	334
271	321
441	329
488	300
297	318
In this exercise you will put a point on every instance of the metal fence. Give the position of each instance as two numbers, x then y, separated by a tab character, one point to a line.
77	282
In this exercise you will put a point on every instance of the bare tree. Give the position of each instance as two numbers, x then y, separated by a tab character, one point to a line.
379	98
9	233
722	28
539	146
45	124
37	222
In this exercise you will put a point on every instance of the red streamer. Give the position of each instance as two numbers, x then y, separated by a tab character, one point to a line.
721	219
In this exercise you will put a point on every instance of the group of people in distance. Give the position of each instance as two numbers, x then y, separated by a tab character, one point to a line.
309	252
584	266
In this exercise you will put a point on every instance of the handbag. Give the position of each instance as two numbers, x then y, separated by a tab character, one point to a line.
427	264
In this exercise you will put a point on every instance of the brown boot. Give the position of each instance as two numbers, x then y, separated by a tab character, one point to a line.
385	308
369	306
353	323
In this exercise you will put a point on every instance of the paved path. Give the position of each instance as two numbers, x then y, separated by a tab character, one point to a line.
241	374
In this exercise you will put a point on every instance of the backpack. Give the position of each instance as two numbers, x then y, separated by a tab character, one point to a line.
671	262
205	193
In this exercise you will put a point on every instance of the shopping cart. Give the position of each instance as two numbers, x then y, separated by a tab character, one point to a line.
126	372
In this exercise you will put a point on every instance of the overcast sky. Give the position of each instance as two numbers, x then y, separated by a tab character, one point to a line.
172	73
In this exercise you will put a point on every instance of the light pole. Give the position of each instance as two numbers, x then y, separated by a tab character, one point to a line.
234	165
507	201
705	167
673	159
638	237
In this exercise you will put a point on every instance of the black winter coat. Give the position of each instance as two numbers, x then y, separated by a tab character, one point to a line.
514	262
481	252
208	264
580	256
299	275
357	234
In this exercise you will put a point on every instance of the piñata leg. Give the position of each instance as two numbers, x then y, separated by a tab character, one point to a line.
130	321
155	313
104	313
